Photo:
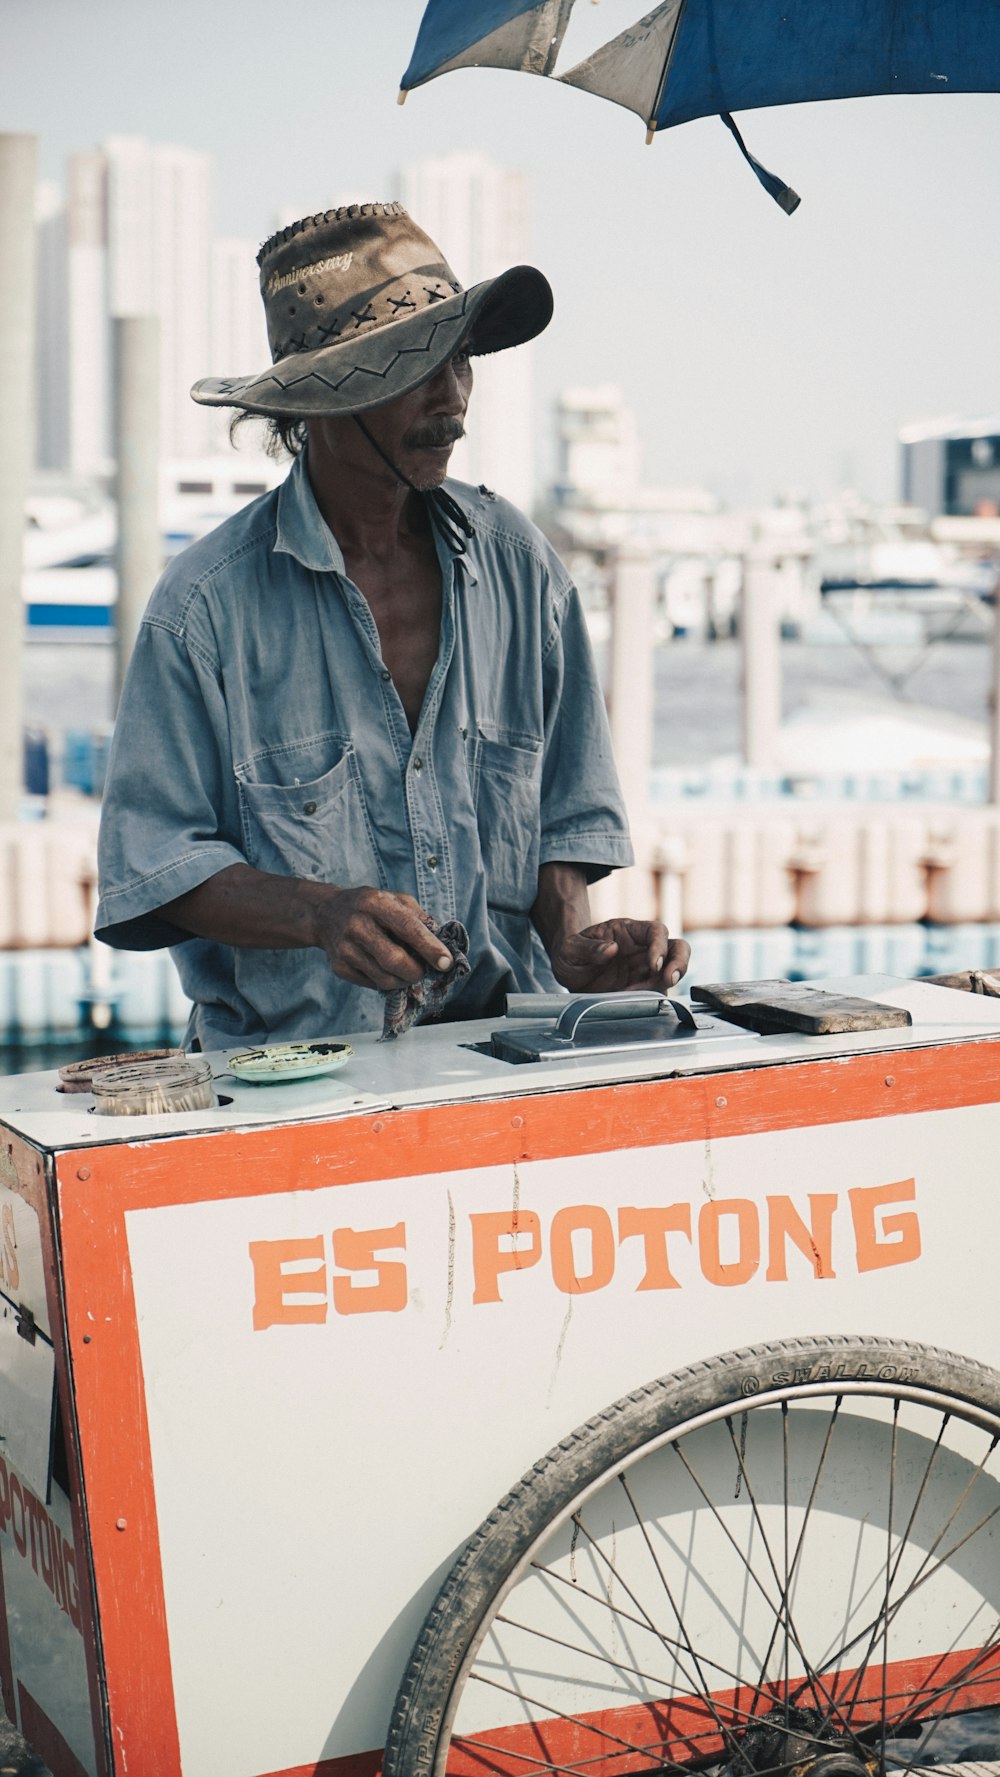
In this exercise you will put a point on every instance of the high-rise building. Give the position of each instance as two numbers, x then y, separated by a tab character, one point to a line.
51	332
238	333
134	238
159	246
479	215
88	346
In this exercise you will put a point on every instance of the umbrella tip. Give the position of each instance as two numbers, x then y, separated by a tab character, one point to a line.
650	133
401	100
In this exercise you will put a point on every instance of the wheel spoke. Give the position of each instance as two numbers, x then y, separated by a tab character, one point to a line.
784	1612
705	1692
576	1721
840	1606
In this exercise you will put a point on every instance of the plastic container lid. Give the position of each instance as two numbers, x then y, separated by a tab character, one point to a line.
78	1076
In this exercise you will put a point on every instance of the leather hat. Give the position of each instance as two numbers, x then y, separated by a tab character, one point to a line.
362	307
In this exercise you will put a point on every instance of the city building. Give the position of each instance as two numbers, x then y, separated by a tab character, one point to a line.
133	237
88	350
238	331
479	213
51	332
951	467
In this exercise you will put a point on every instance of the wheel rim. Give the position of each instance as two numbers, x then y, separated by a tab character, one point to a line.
806	1582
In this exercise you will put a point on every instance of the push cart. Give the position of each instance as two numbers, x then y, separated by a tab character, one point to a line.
725	1301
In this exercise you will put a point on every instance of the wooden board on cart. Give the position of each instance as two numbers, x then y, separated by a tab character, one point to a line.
768	1006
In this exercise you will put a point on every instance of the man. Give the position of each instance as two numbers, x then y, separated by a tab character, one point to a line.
365	706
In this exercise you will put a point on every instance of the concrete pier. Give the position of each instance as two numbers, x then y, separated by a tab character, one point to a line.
761	641
137	491
18	173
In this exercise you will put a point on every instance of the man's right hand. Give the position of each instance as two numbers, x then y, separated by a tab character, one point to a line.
371	938
376	939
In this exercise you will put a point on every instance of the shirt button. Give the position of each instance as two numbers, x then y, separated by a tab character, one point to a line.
432	862
385	673
308	808
418	765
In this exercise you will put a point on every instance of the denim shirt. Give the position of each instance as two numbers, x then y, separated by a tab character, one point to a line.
260	724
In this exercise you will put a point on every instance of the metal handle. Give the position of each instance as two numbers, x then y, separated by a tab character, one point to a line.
597	1008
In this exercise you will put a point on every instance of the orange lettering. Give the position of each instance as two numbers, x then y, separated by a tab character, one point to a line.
814	1238
272	1283
654	1225
745	1264
356	1249
489	1262
596	1222
894	1240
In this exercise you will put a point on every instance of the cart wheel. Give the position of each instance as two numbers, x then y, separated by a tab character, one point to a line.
783	1560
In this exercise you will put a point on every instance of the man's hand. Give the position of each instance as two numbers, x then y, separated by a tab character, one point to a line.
371	938
620	953
376	939
607	957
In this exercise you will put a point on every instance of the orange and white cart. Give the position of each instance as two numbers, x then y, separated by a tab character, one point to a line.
266	1368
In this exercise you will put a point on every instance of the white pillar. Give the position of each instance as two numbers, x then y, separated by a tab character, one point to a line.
994	786
18	171
137	449
631	682
760	638
630	697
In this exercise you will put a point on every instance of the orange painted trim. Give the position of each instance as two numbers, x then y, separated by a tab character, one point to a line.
684	1729
592	1120
108	1383
109	1391
353	1764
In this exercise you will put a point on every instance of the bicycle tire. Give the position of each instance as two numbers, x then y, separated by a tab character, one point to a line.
782	1374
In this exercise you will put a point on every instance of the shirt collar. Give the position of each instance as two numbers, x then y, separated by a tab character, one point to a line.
302	530
304	533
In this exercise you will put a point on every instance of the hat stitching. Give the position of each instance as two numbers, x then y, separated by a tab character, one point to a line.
288	382
369	316
346	213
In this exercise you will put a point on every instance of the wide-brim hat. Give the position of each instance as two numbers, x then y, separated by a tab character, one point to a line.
362	307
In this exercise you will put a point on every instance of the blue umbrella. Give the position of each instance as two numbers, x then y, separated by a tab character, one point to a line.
698	58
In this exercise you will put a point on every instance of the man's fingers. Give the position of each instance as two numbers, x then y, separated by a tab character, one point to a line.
390	930
410	927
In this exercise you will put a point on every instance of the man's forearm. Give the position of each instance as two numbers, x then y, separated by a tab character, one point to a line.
562	904
371	938
252	909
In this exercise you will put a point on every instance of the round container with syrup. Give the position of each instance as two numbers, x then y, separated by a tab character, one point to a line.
152	1088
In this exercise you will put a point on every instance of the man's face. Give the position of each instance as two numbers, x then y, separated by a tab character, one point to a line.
417	432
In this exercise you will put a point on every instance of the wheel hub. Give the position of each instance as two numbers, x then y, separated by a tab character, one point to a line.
802	1742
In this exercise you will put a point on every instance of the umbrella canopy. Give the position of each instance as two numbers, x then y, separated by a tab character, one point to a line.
696	58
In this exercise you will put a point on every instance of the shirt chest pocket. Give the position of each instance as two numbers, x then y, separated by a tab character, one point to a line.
317	828
507	777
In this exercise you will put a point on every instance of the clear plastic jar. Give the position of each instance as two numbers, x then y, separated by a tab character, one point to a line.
152	1088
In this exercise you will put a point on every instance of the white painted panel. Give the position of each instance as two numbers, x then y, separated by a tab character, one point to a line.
314	1480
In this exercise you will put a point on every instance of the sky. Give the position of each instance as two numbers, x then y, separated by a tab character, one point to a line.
762	353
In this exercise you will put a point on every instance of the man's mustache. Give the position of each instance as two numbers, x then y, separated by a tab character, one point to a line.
435	434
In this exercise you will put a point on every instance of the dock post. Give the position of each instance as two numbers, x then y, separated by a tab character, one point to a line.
994	706
631	697
137	486
760	640
18	173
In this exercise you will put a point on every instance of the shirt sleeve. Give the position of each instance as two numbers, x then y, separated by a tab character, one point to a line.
584	820
170	816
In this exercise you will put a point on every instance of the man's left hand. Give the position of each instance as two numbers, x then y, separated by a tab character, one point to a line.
620	953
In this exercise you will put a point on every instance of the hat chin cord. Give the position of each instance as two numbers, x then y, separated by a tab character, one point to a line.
447	517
